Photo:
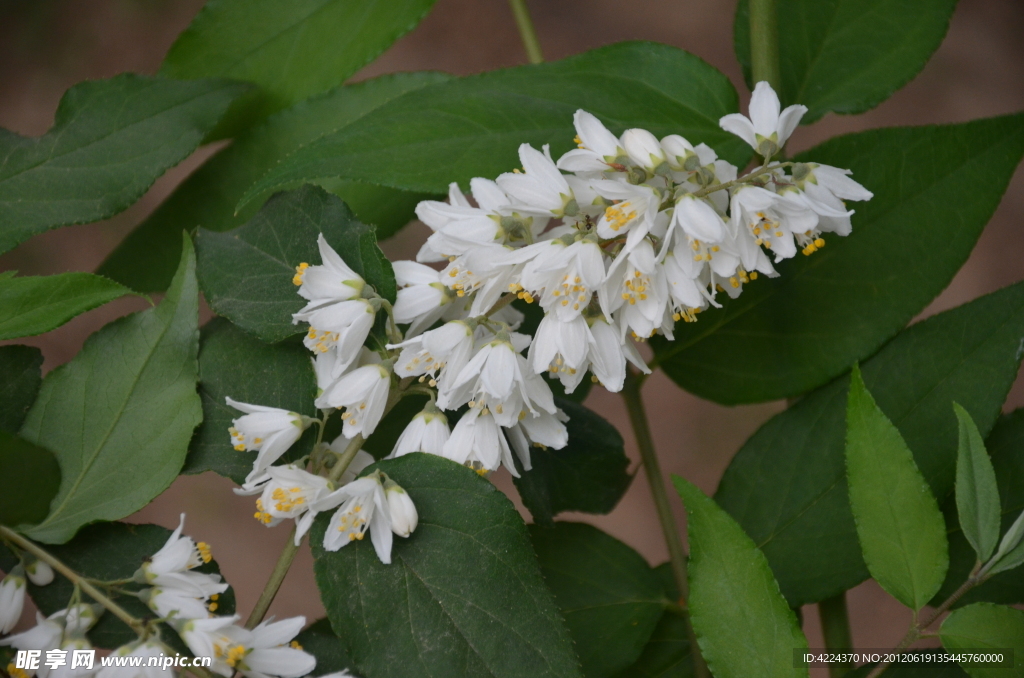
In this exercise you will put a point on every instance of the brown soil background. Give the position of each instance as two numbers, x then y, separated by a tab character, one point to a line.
48	45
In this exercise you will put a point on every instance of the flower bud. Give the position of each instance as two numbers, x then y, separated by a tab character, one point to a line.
39	573
678	150
404	517
643	148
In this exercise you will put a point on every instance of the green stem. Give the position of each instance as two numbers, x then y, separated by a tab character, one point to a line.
835	628
137	625
284	562
526	31
677	558
764	42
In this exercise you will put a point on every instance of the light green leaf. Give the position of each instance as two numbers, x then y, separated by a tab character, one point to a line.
146	259
1006	446
110	141
292	49
977	495
36	304
247	273
744	626
109	551
589	474
20	378
848	56
473	126
240	366
463	595
119	415
787	485
1011	548
31	479
828	310
609	596
899	525
983	627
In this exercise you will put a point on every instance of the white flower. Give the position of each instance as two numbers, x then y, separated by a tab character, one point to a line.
331	282
643	149
170	566
70	645
560	347
637	285
540	188
260	653
39	573
633	214
440	354
607	353
698	220
145	651
363	393
12	598
45	635
564	276
427	432
289	492
269	431
476	442
174	602
498	378
404	517
422	298
365	508
766	130
599	150
771	220
545	430
342	326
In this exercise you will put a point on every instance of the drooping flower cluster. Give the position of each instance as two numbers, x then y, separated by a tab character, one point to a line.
615	241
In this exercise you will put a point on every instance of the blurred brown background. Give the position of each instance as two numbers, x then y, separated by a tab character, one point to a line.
48	45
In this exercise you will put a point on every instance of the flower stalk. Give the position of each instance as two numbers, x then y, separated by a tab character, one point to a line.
764	43
527	31
645	443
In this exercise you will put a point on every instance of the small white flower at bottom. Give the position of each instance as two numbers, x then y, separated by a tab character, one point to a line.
365	508
427	432
12	598
263	652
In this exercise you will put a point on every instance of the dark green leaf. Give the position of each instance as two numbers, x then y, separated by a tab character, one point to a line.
984	626
237	365
977	494
463	595
107	552
609	596
145	260
110	140
787	485
36	304
786	335
290	48
119	415
848	56
319	640
923	668
20	378
589	474
31	479
247	273
473	126
744	626
667	653
901	532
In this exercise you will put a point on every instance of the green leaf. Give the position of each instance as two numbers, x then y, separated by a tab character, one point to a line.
473	126
920	668
110	551
20	379
146	259
110	141
901	531
743	624
667	653
787	485
319	640
589	474
840	305
119	415
36	304
463	595
237	365
984	626
1006	444
609	596
247	273
848	56
977	494
292	49
31	479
